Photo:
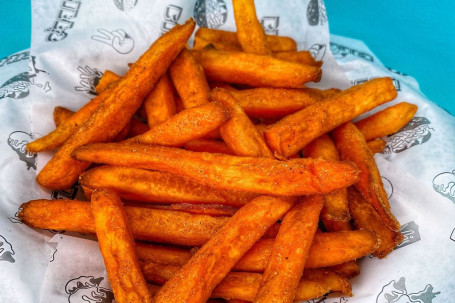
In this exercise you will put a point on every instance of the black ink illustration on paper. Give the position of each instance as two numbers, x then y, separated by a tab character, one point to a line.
85	289
18	141
6	251
210	13
416	132
270	25
317	51
89	79
118	39
125	5
396	292
316	13
172	14
14	58
411	234
64	21
444	183
340	51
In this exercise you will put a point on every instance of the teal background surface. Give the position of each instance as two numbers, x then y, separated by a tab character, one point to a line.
414	37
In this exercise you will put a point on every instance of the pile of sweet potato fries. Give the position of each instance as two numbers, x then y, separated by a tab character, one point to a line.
243	184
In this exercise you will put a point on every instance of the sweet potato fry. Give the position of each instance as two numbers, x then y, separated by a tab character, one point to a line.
273	102
118	248
349	269
301	57
208	146
158	187
258	175
322	93
244	285
376	145
58	136
210	264
250	33
106	80
255	70
238	132
337	282
137	128
64	130
387	121
335	204
189	80
295	131
240	285
290	251
352	146
118	108
161	254
348	245
156	225
223	40
366	217
160	103
185	126
61	114
198	209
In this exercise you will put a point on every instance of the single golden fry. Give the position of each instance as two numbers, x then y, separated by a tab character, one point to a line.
156	225
257	175
106	80
159	105
161	254
290	250
348	269
336	203
352	147
295	131
274	102
327	249
66	128
158	187
241	285
376	145
137	128
134	126
61	114
366	217
198	209
208	146
255	70
185	126
250	33
301	57
189	80
223	40
118	108
118	248
238	132
210	264
387	121
337	282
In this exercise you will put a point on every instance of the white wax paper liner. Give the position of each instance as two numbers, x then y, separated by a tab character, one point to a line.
73	42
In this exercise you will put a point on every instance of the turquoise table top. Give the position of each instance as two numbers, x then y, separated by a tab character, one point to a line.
414	37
